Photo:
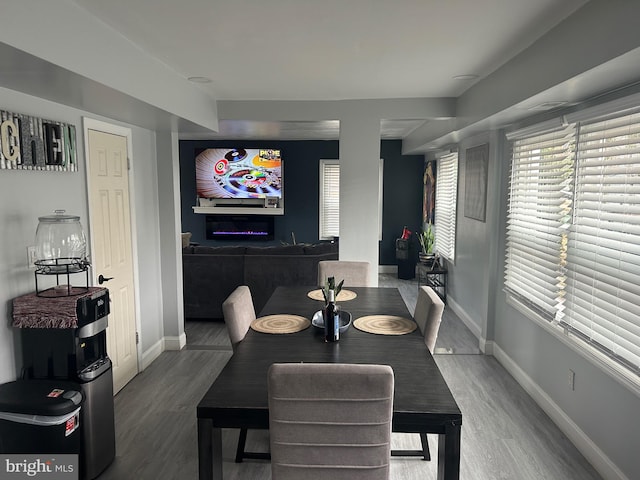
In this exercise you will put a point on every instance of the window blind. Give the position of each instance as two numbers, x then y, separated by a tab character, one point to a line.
540	200
445	209
603	261
329	200
573	229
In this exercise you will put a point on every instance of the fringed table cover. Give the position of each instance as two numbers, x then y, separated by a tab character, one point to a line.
32	311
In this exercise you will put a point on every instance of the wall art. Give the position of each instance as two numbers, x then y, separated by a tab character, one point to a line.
475	182
429	193
33	143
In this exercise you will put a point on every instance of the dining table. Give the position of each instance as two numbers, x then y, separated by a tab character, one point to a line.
238	396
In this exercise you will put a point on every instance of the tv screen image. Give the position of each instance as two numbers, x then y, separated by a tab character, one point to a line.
239	173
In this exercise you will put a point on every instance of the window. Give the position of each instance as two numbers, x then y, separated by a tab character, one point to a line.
446	201
329	201
573	230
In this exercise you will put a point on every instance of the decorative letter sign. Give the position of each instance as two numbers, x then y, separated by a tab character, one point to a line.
31	143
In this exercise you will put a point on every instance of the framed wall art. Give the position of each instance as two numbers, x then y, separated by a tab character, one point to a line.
475	182
429	193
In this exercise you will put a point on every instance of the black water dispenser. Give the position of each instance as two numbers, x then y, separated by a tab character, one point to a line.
78	354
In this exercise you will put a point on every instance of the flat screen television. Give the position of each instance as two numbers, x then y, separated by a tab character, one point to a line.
239	227
238	173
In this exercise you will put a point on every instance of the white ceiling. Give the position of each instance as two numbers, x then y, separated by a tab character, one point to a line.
330	49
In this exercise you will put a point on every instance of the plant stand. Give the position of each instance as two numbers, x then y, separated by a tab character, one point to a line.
435	277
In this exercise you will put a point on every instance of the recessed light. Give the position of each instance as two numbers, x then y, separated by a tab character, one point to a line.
199	79
465	77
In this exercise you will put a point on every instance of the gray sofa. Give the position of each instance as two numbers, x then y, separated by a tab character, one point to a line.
210	274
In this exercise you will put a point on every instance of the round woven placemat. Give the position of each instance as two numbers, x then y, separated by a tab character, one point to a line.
343	296
281	323
385	325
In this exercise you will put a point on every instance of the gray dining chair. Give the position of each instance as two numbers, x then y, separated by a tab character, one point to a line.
354	274
428	316
330	421
238	314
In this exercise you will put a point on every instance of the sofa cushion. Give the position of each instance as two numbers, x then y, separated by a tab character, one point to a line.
281	250
230	250
320	248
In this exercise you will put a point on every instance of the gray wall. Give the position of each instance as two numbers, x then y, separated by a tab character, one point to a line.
26	195
602	415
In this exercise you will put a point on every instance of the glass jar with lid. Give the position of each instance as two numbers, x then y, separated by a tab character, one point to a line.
60	241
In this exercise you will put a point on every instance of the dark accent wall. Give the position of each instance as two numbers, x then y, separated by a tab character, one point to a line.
402	194
402	198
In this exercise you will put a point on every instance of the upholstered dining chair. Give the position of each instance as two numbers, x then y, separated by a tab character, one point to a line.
330	421
354	274
238	314
428	316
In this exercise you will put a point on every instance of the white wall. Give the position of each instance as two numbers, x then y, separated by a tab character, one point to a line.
171	245
26	195
359	197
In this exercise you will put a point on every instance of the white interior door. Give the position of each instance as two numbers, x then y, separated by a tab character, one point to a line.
112	250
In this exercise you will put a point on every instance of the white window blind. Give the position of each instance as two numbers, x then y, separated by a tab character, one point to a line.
573	231
603	262
540	196
445	209
329	200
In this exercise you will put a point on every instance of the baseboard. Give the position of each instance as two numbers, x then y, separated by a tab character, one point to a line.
486	346
582	442
466	319
175	343
392	269
149	355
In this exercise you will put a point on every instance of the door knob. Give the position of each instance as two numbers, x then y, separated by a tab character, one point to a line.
102	279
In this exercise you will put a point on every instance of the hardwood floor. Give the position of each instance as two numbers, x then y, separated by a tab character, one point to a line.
505	435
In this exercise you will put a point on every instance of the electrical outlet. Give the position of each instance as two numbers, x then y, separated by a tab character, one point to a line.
572	379
31	257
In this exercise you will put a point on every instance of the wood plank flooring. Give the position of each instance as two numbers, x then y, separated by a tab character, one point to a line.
505	435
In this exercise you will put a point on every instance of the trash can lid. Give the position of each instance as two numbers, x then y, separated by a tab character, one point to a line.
40	397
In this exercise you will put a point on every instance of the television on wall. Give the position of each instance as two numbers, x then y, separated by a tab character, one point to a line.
239	173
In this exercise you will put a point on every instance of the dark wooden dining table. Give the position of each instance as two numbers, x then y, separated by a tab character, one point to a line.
422	400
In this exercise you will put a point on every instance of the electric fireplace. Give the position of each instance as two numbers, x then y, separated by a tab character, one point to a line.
239	227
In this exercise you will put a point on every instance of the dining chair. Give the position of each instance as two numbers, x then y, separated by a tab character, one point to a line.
428	316
238	314
354	274
330	421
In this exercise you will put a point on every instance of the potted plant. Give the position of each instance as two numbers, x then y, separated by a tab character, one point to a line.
427	240
331	285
